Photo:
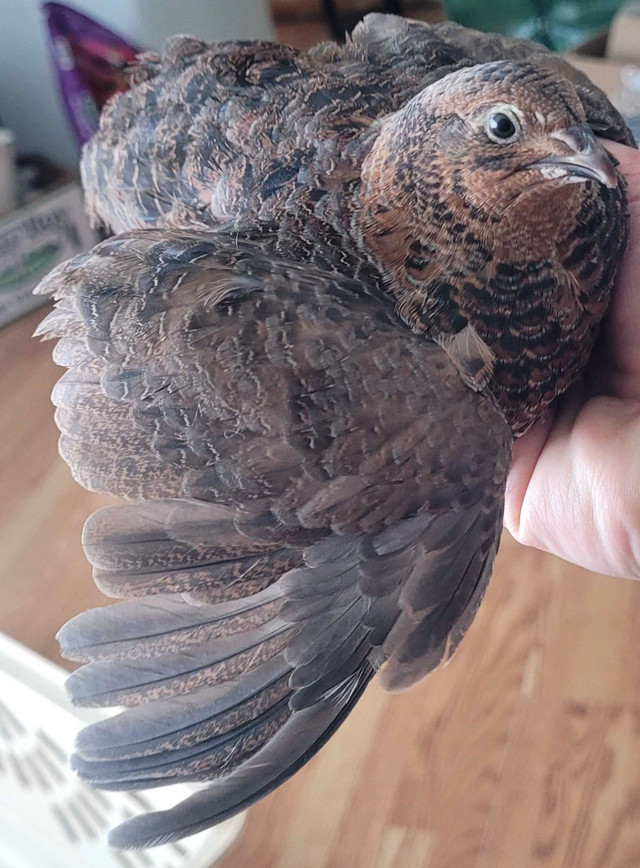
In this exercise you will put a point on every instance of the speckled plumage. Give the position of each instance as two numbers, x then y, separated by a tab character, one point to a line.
231	135
333	302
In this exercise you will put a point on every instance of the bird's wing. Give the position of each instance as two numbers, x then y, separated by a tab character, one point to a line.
315	496
225	135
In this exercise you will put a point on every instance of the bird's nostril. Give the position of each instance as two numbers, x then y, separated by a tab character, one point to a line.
580	140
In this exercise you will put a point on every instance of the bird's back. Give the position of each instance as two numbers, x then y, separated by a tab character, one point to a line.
236	135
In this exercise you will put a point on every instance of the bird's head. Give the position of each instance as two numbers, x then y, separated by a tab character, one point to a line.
511	133
488	201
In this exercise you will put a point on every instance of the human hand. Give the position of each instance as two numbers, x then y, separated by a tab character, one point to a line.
574	487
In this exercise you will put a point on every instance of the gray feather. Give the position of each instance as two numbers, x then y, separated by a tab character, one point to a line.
294	744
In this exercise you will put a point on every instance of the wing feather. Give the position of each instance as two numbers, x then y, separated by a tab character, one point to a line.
316	495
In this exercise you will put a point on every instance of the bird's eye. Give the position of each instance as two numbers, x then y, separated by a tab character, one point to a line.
502	126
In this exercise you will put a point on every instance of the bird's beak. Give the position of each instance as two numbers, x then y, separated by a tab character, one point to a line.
583	157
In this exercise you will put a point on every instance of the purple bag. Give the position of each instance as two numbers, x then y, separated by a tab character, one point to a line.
89	61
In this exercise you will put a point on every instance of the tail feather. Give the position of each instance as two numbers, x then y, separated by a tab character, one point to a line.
333	659
151	627
324	632
131	682
220	581
183	547
328	684
188	719
294	744
178	533
204	760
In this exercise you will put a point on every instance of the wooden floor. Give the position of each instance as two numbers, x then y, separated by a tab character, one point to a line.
523	751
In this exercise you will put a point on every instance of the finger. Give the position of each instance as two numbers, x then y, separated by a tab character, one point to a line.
618	359
526	452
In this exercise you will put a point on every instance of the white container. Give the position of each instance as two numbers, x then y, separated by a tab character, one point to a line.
48	817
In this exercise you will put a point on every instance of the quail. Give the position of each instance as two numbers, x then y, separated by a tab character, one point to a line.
339	283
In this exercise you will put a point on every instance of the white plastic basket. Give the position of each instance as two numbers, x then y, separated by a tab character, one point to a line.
48	817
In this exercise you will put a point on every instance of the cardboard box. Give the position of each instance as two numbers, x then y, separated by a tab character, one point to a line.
36	238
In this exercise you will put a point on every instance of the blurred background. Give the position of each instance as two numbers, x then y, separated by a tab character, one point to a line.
524	751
